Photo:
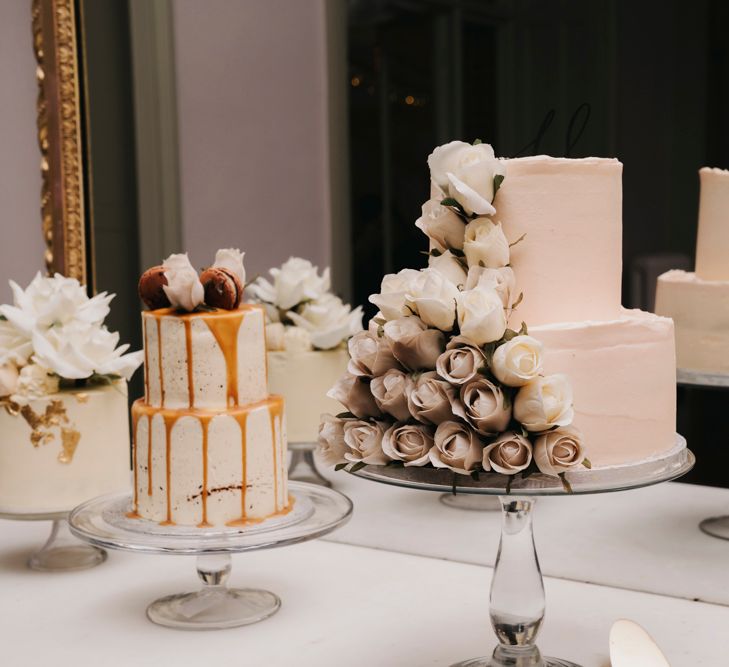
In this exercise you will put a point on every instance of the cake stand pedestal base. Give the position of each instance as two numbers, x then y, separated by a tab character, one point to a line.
509	657
302	467
716	526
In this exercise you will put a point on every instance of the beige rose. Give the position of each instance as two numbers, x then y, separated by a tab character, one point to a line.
484	406
391	392
431	400
449	267
517	362
364	442
502	280
559	451
409	443
460	362
456	446
353	392
544	403
485	244
441	225
509	454
332	447
481	315
369	355
414	345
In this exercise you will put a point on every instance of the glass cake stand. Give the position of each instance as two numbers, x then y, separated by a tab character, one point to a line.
717	526
104	522
62	552
302	465
517	602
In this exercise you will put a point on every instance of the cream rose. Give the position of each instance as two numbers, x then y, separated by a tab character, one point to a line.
332	447
409	443
518	361
364	442
183	288
449	267
456	446
559	451
461	361
485	244
484	406
481	315
9	379
328	320
275	336
502	280
34	381
509	454
433	298
391	392
393	290
431	400
296	281
544	403
442	226
414	345
232	260
370	355
353	392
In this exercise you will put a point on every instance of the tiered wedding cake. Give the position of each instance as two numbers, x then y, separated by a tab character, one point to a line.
209	441
443	377
699	302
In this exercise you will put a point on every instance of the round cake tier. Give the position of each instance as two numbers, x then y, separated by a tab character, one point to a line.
304	378
569	263
623	373
700	312
203	467
208	360
712	243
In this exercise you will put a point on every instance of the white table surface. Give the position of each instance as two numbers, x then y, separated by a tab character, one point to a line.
645	540
342	606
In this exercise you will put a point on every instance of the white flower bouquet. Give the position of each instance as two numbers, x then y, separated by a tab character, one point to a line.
439	379
53	337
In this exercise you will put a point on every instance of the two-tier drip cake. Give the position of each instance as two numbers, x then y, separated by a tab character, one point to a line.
209	441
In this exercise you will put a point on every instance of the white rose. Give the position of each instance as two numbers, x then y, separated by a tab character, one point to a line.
518	361
544	403
432	400
34	381
183	288
275	336
481	315
441	225
328	320
296	281
485	244
509	454
409	443
369	355
559	451
232	260
414	345
394	288
332	447
296	339
449	267
502	280
456	447
8	379
353	392
433	298
364	442
467	173
391	392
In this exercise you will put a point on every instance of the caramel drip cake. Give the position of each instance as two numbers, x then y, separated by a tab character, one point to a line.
209	446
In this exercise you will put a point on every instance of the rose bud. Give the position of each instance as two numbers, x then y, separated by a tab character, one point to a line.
151	288
223	288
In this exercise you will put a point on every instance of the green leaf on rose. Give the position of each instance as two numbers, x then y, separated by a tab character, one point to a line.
498	180
587	464
346	415
565	482
509	480
519	240
476	142
523	331
3	318
340	466
519	299
358	466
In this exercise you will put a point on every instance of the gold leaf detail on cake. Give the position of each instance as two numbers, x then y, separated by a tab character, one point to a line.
69	441
11	407
40	424
82	398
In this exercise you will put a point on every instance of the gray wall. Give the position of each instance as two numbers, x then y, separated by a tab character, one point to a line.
21	250
252	107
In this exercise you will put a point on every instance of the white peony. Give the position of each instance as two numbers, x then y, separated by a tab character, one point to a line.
8	379
34	381
295	282
15	345
518	361
502	280
442	226
232	260
544	403
183	288
328	320
433	298
448	265
481	315
485	244
393	290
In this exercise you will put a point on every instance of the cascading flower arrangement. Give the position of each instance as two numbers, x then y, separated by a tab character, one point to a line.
439	379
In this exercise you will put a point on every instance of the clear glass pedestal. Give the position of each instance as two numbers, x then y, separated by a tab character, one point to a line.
104	522
302	464
517	600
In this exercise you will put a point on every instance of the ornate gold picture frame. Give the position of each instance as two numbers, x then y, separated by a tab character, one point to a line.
61	138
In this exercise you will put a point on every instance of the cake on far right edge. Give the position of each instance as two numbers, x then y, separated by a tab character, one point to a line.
698	301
